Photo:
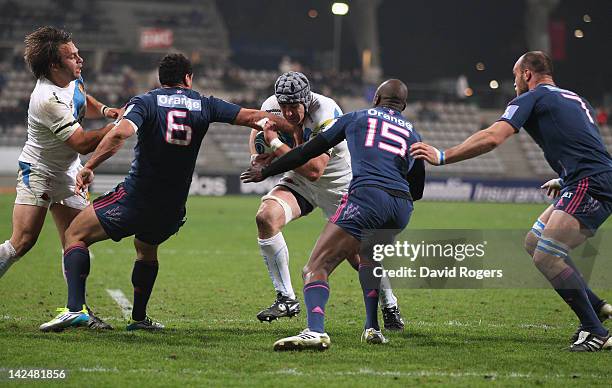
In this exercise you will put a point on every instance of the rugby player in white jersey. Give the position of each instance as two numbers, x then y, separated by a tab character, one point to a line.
321	182
50	160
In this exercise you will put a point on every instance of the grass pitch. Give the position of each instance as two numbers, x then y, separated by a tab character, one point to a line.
212	282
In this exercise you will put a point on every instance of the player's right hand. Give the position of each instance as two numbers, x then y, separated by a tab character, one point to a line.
552	187
428	153
253	174
83	179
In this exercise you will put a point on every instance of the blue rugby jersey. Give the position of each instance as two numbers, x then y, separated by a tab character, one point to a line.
563	124
171	125
379	141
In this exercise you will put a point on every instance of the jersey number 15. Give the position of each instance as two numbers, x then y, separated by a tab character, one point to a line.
387	132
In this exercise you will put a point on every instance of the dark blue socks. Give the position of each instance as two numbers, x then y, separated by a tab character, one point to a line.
76	268
316	295
370	285
571	288
143	279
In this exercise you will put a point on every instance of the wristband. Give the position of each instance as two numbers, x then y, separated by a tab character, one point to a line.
103	110
441	157
276	144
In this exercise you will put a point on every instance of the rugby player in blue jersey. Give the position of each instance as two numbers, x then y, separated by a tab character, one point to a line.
170	123
385	182
562	124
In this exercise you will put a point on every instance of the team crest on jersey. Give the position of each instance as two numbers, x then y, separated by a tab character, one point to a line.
510	111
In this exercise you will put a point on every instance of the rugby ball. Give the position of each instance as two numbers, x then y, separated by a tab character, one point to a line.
262	146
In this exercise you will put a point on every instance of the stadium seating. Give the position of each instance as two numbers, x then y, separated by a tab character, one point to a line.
442	124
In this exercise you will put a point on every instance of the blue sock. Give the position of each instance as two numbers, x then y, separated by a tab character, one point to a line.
76	267
316	295
571	288
370	285
596	301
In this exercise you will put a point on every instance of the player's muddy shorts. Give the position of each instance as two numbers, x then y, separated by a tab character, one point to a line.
38	187
122	215
370	208
589	200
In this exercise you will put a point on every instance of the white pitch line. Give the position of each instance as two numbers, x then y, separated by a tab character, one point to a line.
124	304
363	372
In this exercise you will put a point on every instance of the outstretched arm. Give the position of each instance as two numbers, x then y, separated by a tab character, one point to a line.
84	142
253	118
96	109
289	161
110	144
479	143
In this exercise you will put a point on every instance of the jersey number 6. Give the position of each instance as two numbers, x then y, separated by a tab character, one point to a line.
179	134
386	132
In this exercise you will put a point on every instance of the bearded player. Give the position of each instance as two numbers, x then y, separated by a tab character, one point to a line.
562	124
320	182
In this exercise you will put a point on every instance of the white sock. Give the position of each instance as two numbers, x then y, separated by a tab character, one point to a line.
276	256
8	256
386	297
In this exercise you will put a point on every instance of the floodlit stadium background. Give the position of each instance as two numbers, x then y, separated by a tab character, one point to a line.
456	58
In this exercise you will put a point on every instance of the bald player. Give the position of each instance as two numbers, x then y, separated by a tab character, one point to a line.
385	182
561	123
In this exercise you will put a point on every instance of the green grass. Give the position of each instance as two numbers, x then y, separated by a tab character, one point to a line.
212	282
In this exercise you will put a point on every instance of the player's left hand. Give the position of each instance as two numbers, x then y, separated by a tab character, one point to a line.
253	174
83	179
552	187
428	153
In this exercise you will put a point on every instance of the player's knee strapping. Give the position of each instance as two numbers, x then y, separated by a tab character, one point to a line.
7	251
286	208
538	228
552	247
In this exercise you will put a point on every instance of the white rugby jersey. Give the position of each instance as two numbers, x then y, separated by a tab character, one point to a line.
54	114
319	116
